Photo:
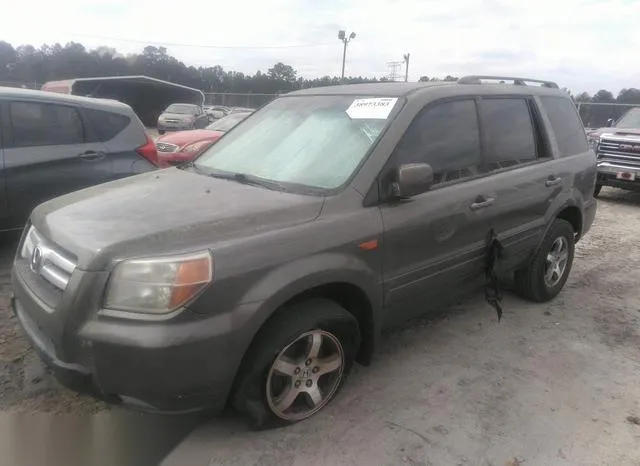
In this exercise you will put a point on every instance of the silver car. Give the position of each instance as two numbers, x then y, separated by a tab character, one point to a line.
179	117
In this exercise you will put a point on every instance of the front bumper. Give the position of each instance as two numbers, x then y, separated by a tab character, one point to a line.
608	176
174	126
172	159
179	365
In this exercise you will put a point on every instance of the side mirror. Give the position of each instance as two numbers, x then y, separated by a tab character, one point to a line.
411	179
610	122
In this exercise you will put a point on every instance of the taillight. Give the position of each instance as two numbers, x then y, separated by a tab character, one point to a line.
148	151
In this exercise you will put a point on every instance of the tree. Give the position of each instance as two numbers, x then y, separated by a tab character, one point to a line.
282	72
34	66
629	96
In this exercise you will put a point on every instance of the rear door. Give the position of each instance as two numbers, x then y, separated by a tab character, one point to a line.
46	154
517	155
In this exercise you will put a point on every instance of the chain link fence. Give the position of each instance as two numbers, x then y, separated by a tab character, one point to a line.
596	115
247	100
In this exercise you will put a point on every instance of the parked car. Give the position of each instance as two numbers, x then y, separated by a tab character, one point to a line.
183	146
178	117
240	110
215	112
52	144
618	152
259	273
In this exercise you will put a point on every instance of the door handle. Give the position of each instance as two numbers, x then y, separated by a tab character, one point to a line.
552	181
92	155
482	203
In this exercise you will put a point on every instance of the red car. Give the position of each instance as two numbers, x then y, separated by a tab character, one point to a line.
183	146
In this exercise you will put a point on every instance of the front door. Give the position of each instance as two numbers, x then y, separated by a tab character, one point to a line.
434	243
46	155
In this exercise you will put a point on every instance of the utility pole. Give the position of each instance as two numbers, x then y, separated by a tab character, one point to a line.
345	40
406	67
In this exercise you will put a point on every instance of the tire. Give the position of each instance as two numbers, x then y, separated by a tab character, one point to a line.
161	131
597	190
531	282
285	343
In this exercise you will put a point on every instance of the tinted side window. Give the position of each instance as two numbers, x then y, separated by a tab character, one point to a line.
106	125
36	124
447	137
509	132
566	125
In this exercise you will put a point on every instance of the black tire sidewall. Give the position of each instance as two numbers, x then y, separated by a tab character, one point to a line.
539	289
281	330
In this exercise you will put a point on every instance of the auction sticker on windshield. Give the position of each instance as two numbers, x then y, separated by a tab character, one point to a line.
371	109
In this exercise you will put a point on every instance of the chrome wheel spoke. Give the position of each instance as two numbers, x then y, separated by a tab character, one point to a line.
285	366
285	401
329	364
314	346
314	395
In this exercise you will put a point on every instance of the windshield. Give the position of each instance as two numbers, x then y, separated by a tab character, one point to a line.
228	122
181	108
314	141
631	119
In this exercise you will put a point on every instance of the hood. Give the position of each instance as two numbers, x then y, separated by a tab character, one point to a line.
177	116
165	212
618	131
181	138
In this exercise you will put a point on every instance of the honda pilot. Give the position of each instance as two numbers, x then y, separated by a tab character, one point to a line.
259	273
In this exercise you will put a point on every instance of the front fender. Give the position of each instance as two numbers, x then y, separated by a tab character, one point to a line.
277	287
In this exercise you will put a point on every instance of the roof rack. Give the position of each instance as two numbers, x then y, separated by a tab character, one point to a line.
474	79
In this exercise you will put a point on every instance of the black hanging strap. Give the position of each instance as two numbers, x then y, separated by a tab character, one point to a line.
492	291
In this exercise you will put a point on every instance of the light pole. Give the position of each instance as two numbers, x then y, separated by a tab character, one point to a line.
345	40
406	67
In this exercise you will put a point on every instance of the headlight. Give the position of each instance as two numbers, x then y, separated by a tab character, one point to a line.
158	285
196	146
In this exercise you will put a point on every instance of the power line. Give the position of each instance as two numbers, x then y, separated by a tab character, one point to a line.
180	44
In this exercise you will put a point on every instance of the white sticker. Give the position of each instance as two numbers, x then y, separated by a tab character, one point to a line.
371	109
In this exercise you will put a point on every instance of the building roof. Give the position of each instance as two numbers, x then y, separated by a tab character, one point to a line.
132	78
30	94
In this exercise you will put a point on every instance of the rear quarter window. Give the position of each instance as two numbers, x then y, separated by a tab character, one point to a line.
566	125
106	125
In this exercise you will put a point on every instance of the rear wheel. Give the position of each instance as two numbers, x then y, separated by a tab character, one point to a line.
297	364
161	131
597	189
547	273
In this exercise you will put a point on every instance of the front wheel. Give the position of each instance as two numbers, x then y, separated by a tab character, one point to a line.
547	273
298	363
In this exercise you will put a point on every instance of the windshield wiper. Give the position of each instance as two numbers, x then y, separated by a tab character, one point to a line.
250	179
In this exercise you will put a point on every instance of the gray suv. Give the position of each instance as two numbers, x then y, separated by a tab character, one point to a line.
52	144
259	273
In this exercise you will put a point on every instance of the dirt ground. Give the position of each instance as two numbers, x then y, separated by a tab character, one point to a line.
552	384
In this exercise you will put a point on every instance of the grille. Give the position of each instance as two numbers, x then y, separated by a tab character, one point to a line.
622	151
166	147
46	260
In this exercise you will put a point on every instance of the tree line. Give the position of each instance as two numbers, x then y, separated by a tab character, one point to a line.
30	66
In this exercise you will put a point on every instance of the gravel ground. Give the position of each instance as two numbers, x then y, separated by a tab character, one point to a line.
557	383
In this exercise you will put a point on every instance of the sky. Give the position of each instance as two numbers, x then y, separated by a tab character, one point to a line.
585	45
